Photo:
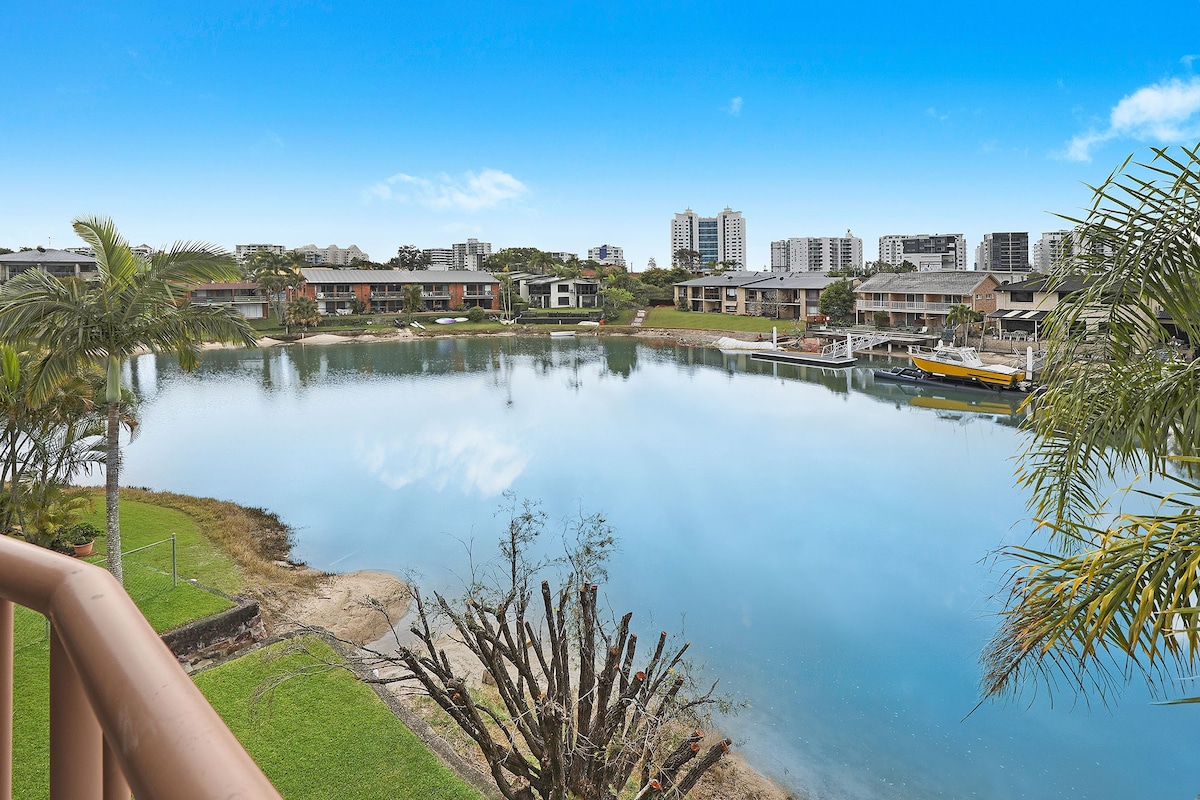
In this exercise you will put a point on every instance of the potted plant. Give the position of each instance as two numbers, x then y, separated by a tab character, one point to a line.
81	536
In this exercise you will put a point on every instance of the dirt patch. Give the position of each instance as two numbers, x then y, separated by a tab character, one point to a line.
348	606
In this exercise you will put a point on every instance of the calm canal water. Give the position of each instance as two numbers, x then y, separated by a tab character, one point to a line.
822	540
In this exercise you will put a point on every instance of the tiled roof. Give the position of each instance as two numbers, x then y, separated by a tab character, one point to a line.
795	280
42	255
941	282
726	279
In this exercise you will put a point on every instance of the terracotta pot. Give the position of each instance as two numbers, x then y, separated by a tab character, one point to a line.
82	550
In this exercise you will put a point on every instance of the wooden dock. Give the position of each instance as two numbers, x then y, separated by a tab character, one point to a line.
793	357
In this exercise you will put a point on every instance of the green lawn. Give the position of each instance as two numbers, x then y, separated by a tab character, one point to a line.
325	734
148	580
663	317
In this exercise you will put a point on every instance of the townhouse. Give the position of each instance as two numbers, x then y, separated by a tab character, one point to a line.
384	290
923	299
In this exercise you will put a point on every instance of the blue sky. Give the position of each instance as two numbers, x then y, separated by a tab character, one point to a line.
567	125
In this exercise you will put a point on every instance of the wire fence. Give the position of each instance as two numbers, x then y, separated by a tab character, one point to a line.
150	571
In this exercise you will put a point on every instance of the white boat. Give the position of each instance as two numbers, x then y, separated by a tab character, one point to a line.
561	334
445	320
461	319
589	323
417	325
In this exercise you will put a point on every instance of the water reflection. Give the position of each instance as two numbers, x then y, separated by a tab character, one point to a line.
824	535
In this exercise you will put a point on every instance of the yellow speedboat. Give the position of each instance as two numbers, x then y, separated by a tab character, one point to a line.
963	364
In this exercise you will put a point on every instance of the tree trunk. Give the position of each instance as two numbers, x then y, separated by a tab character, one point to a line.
112	471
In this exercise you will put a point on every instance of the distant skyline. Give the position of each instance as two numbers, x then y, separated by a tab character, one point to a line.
564	126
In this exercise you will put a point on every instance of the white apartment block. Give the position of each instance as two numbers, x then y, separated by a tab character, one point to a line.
817	253
562	255
440	257
471	254
1054	246
716	239
1050	249
607	254
243	251
928	252
332	256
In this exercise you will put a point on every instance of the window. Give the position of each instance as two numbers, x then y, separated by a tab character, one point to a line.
564	301
563	288
1021	297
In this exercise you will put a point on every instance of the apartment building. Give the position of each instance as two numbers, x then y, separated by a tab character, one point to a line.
332	255
244	297
817	254
717	239
384	290
1003	252
439	257
59	263
607	254
929	252
471	254
924	299
243	251
549	291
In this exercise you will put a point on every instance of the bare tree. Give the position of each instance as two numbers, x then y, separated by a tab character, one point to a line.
575	717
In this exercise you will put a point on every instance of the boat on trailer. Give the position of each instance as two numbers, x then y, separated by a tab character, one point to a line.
963	364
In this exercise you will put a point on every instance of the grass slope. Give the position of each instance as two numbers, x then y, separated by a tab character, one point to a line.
662	317
324	734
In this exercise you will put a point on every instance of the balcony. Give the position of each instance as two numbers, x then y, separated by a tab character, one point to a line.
123	714
900	305
477	294
335	295
436	295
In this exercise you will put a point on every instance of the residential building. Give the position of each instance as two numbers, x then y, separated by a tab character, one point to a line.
1023	306
470	255
332	255
789	295
923	299
817	254
440	257
928	252
143	250
548	291
1054	246
1003	252
244	297
243	251
720	239
562	256
607	254
716	294
1051	248
59	263
383	290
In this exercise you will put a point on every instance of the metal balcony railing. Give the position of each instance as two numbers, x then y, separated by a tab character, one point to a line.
900	305
123	714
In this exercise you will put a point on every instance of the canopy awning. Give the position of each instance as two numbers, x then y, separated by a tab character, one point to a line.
1012	313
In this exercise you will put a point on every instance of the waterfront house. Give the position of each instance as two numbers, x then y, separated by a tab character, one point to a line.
59	263
924	299
715	294
244	297
548	291
383	290
792	295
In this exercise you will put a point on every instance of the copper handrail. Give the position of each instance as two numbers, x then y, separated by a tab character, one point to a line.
121	707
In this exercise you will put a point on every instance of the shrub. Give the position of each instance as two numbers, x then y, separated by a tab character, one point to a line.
476	314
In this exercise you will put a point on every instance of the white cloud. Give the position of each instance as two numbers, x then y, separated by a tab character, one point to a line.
468	192
1164	113
931	111
469	458
735	107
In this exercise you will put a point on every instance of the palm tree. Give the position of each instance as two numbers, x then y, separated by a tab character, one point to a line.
134	303
303	313
961	314
1113	593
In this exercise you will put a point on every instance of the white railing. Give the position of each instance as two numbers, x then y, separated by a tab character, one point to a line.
901	305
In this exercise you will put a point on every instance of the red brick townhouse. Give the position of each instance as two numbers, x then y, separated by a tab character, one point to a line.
383	290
